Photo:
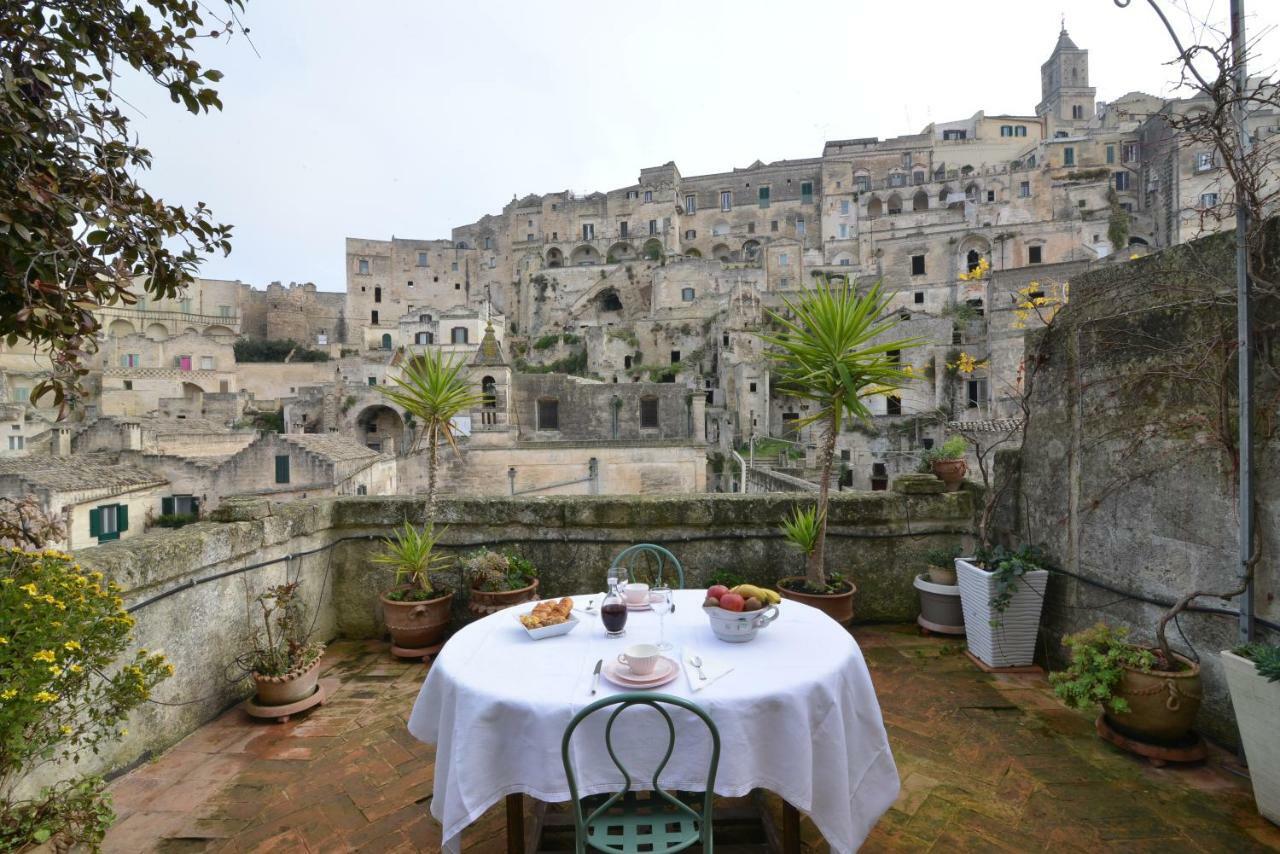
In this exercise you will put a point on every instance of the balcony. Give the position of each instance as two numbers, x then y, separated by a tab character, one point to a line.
986	762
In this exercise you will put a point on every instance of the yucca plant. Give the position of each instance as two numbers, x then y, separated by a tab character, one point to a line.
832	351
411	554
801	530
434	389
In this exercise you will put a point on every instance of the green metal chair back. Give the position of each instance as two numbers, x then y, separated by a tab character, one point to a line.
631	556
624	824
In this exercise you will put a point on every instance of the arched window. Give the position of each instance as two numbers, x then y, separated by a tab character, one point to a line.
489	392
386	341
874	208
920	202
458	335
895	204
972	259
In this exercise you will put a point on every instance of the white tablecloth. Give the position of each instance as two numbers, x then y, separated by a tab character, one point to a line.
797	716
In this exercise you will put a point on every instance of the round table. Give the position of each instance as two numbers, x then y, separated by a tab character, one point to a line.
797	715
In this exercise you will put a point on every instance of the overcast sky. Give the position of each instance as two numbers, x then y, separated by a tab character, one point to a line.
391	117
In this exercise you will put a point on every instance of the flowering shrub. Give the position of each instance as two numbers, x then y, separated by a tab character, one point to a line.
62	691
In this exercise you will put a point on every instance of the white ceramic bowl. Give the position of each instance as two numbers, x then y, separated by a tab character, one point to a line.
551	631
739	626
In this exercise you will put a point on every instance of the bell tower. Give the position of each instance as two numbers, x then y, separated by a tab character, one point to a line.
1066	98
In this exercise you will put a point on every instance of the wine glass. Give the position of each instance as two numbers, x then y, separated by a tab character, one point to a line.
661	602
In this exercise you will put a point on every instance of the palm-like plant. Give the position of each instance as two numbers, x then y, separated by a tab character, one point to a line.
832	352
411	554
434	389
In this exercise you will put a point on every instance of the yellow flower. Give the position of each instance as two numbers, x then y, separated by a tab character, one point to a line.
64	729
8	694
75	668
45	655
55	670
45	697
30	589
71	646
3	640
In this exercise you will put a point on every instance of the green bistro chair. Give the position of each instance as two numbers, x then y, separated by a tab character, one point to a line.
632	556
624	823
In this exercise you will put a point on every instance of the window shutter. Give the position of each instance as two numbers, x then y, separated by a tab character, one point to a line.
166	506
282	469
122	518
95	523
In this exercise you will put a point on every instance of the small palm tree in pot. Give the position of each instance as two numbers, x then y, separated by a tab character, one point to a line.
833	351
417	610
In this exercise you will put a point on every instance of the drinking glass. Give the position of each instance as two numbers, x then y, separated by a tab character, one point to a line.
661	602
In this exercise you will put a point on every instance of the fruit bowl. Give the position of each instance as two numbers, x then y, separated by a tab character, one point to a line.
739	626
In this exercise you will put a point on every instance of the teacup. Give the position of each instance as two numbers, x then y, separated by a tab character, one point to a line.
637	593
641	659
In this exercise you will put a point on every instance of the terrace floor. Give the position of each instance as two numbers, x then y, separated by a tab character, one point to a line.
988	763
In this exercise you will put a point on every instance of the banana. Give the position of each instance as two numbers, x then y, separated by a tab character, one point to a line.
768	597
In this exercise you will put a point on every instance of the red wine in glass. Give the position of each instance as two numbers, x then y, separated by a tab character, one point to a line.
614	617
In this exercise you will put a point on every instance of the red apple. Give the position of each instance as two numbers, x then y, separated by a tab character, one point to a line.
732	602
715	591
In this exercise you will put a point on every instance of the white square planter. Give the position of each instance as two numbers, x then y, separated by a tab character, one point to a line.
1012	641
1257	702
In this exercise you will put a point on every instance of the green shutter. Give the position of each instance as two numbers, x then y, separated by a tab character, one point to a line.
166	506
282	469
122	517
95	523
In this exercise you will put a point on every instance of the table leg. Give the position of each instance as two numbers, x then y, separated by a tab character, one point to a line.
790	829
515	824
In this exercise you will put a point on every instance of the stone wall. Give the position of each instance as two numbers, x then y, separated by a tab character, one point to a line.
198	620
1129	491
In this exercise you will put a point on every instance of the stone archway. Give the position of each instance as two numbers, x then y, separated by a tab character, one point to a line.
652	249
584	255
621	251
120	328
920	201
381	428
874	207
555	258
157	332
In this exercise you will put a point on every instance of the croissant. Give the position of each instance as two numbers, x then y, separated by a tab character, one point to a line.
547	613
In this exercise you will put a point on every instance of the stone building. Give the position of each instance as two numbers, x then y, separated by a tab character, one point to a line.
673	278
97	497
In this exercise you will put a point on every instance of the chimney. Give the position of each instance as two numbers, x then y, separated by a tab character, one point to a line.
60	443
131	432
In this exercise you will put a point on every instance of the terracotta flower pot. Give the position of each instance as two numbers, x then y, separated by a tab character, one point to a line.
837	606
950	472
290	688
1162	704
485	602
415	625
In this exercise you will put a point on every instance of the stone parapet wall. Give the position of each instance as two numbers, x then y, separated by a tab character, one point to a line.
189	587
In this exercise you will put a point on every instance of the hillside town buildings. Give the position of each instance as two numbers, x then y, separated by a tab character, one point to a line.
615	336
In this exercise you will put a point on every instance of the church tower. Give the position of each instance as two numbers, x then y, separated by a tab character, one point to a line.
1066	98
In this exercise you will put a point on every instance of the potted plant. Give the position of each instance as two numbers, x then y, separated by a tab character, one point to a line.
1253	677
946	461
833	350
801	531
1001	593
940	608
1143	693
499	580
283	661
417	612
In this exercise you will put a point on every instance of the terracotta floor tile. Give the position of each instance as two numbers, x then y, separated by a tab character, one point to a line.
989	763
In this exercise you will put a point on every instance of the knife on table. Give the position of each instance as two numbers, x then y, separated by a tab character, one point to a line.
595	676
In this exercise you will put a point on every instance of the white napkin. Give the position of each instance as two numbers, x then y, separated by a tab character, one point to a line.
712	670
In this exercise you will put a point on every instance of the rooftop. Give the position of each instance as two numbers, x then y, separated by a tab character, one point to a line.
76	473
988	763
331	446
